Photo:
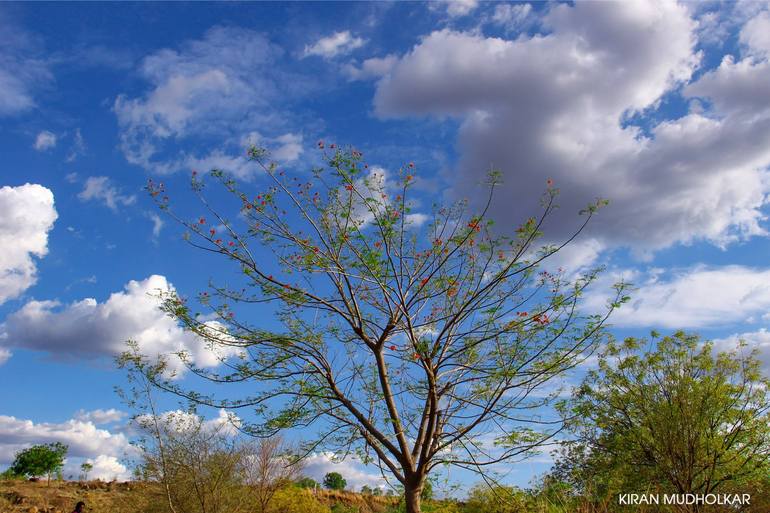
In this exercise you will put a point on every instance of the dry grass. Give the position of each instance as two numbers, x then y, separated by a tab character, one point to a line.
61	497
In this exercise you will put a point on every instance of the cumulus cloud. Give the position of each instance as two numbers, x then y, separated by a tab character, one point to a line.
84	439
101	188
567	105
339	43
45	140
355	473
213	88
27	214
698	297
90	329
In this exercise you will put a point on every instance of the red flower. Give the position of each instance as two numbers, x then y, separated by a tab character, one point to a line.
393	348
321	144
424	282
411	164
231	243
378	244
332	146
194	172
409	178
549	182
349	187
218	241
202	220
212	231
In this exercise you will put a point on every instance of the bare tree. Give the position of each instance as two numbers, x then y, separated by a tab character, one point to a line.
412	344
268	466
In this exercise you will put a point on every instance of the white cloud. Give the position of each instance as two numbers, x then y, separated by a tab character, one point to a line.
23	70
375	67
212	88
84	439
339	43
101	188
78	146
512	16
559	106
289	147
157	224
356	474
106	468
100	416
45	140
90	329
755	35
755	340
457	8
697	297
27	214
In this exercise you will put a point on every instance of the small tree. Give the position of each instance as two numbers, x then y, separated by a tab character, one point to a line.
406	338
40	460
307	482
676	418
86	468
269	465
335	481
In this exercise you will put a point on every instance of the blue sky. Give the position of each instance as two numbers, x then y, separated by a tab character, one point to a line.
663	108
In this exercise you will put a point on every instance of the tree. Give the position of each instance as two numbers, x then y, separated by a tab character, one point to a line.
307	482
335	481
677	418
40	460
86	467
204	467
270	465
409	343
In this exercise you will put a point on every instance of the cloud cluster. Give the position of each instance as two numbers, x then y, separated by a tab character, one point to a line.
580	104
216	88
27	214
89	329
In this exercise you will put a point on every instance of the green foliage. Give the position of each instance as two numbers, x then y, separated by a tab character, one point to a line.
427	491
296	500
495	499
40	460
86	467
668	415
8	474
335	481
307	482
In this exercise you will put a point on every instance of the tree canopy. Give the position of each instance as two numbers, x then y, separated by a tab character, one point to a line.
669	414
40	460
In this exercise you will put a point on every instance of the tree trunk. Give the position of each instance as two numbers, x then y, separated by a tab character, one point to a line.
412	498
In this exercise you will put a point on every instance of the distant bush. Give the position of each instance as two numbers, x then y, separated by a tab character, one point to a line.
335	481
307	482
